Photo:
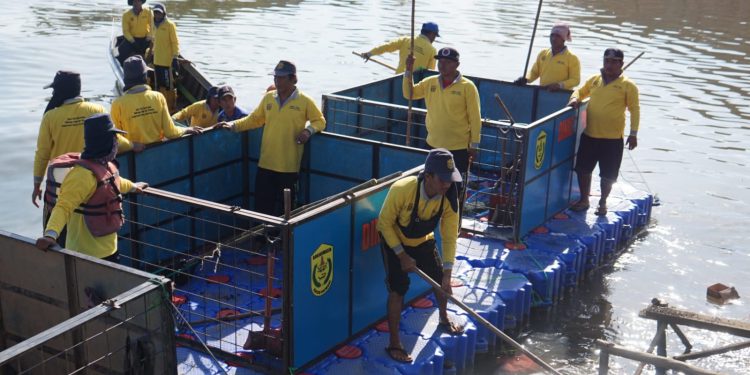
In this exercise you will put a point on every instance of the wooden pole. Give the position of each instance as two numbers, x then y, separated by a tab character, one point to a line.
632	61
411	77
533	34
376	61
505	109
487	324
655	360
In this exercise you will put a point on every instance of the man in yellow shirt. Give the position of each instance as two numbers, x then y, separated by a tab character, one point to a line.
556	67
610	93
90	200
141	112
202	113
166	49
136	30
410	214
424	52
453	119
284	114
61	130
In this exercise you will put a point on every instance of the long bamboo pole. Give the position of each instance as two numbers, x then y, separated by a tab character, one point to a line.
411	77
531	43
487	324
391	67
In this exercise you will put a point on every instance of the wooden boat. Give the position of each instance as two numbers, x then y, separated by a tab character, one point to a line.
190	83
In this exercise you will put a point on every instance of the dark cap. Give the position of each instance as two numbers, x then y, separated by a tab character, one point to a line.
447	53
134	68
614	53
224	91
159	7
440	162
97	136
430	27
130	2
65	78
284	68
213	92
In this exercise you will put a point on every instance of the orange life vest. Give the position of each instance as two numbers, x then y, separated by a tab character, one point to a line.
103	211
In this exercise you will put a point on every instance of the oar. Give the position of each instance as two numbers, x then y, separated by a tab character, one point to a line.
505	109
531	43
375	61
633	60
485	323
411	77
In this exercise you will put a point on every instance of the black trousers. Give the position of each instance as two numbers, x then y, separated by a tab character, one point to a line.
269	190
127	49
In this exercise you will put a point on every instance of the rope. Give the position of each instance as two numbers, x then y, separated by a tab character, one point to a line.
185	323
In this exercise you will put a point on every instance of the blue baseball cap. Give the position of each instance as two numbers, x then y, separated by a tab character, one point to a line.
440	162
431	27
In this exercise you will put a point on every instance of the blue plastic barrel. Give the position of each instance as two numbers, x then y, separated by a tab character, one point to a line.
569	250
629	213
514	289
479	251
612	224
544	271
590	235
427	355
488	305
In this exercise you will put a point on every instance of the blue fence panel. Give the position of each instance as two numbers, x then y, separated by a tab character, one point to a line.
518	99
322	317
341	157
220	184
154	167
215	148
392	160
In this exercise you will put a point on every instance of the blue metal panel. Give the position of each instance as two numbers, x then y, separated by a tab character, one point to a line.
564	140
166	162
322	320
219	184
534	202
561	181
325	186
149	216
124	165
216	147
393	160
161	243
341	157
538	149
518	99
255	136
550	102
368	289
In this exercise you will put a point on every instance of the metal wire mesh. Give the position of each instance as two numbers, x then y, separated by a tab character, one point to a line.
227	269
494	181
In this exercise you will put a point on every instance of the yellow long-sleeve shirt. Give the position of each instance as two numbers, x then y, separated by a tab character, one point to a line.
61	131
166	44
198	113
424	52
143	113
137	26
454	118
397	209
279	150
77	188
561	68
605	114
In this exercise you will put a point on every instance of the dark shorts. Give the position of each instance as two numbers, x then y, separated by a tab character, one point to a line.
426	256
163	77
606	152
269	190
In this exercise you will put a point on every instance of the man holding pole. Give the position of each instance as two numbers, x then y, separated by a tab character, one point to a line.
410	214
453	114
557	68
424	52
602	140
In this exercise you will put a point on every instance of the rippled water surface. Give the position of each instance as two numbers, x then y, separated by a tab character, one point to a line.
693	143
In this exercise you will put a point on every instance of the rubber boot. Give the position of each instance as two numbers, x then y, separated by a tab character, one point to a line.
171	97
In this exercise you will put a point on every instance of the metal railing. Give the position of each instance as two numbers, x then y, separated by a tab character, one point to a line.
227	264
83	316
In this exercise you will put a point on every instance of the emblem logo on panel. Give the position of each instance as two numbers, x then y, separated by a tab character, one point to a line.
541	143
321	269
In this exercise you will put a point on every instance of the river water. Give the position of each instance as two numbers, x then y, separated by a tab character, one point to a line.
695	124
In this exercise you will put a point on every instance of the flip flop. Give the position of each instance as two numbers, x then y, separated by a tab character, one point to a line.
579	206
406	357
601	211
451	328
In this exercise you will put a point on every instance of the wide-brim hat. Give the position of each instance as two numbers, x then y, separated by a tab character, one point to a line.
65	78
134	67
